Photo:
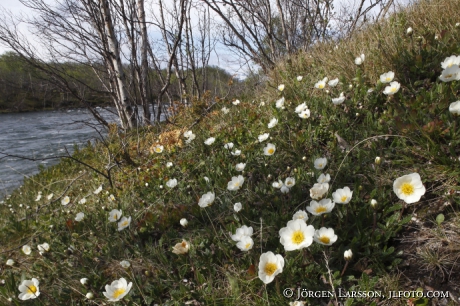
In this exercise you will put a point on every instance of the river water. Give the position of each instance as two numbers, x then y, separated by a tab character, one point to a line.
41	135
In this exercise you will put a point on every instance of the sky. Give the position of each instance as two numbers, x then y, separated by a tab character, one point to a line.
222	57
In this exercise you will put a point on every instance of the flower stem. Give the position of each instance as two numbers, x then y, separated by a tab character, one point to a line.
344	268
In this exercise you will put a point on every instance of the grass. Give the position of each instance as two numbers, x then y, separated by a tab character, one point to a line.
396	246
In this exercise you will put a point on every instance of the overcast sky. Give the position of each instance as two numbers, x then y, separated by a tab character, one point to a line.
222	59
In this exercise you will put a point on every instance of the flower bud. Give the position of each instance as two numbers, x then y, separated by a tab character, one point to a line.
374	203
304	158
378	160
89	295
348	254
409	31
183	222
457	25
84	281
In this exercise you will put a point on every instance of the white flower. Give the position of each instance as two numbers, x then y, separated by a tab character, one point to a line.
377	160
409	188
263	137
89	295
29	289
299	78
278	184
370	90
360	59
236	102
84	281
269	149
79	217
240	166
296	235
206	199
333	82
209	141
43	248
82	201
206	179
125	264
262	103
114	215
117	290
325	236
323	207
320	163
450	61
392	89
10	262
301	107
65	200
228	145
280	103
270	265
39	196
454	108
171	183
289	182
183	222
236	153
348	254
319	190
284	189
158	149
50	196
181	248
169	164
235	183
245	244
281	87
409	31
339	100
305	114
450	74
190	136
324	178
225	110
124	223
301	214
26	249
242	232
387	77
98	190
373	203
272	123
342	196
320	84
237	207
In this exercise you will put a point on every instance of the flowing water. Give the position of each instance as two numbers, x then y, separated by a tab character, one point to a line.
40	135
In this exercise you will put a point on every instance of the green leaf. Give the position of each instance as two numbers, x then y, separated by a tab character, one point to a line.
440	219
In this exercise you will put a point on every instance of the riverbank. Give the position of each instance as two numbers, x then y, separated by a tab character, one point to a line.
337	185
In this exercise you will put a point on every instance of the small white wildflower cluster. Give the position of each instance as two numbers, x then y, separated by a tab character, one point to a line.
243	238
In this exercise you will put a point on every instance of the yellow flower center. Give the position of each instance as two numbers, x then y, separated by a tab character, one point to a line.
388	79
184	244
320	165
297	237
271	151
343	198
115	217
320	209
247	245
321	86
449	76
393	89
407	189
270	268
32	289
118	292
325	239
237	184
125	223
158	150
